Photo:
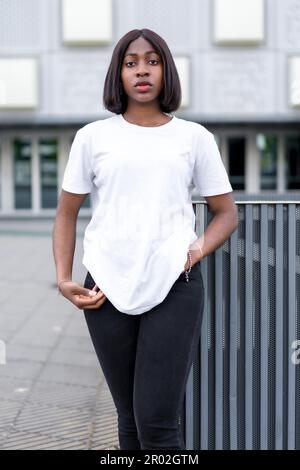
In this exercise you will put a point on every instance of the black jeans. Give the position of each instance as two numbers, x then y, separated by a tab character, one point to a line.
146	359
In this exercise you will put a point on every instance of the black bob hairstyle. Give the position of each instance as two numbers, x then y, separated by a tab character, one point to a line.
114	97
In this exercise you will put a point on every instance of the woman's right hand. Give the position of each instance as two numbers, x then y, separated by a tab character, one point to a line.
81	296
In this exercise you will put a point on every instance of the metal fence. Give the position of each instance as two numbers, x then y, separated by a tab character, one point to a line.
243	390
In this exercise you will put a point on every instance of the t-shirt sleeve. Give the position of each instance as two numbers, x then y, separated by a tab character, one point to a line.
209	175
78	174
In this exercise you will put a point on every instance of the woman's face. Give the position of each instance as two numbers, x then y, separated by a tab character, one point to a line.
142	63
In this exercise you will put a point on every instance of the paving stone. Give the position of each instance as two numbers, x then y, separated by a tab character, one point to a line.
9	410
54	421
20	440
15	388
12	322
5	334
73	357
105	446
71	374
22	368
4	432
77	327
26	351
45	340
64	395
74	342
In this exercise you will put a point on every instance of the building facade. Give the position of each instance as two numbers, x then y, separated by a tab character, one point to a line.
239	67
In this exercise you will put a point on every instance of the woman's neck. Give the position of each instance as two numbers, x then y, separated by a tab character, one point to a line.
146	119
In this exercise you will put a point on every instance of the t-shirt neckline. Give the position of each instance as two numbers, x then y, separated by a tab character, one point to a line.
145	128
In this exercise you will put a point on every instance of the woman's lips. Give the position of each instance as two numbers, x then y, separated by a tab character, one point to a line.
143	87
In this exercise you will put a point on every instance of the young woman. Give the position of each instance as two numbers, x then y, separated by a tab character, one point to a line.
143	293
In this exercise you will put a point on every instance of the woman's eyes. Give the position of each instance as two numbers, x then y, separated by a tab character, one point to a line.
152	60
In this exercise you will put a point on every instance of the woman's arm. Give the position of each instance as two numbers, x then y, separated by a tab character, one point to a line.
222	225
64	233
64	240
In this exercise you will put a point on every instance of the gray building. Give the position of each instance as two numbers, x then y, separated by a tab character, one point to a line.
238	62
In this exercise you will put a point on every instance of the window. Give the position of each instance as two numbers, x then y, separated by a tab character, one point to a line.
182	65
18	83
87	21
294	82
239	21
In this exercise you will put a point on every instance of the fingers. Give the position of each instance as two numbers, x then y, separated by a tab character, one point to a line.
85	292
88	299
91	299
97	305
83	301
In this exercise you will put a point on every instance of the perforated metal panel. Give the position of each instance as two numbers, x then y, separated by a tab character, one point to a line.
243	389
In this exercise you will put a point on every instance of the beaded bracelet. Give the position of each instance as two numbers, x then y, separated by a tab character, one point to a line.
190	267
190	260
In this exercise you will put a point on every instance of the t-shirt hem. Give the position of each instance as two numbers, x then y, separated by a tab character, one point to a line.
136	311
75	190
216	191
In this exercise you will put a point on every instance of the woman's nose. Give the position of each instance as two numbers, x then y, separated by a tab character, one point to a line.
142	70
142	73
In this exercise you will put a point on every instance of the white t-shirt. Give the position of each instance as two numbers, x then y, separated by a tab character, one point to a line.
140	179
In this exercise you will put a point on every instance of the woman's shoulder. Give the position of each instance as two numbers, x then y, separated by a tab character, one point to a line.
195	128
100	125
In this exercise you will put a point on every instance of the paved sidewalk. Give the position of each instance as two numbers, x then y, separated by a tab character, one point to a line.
53	394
